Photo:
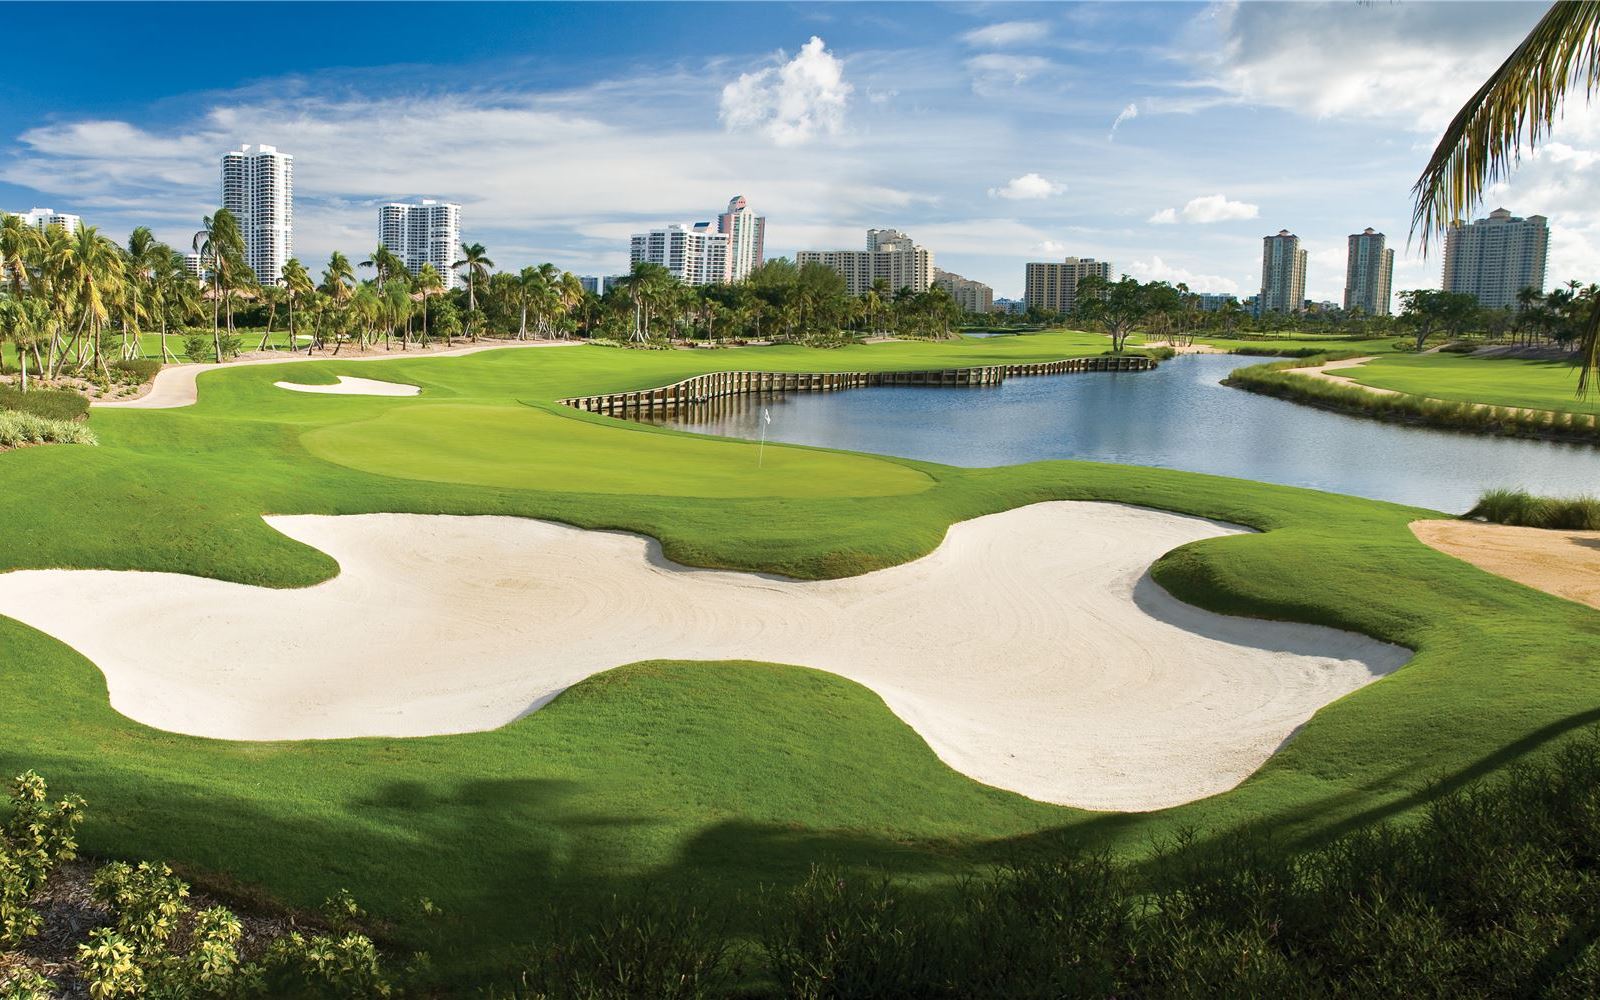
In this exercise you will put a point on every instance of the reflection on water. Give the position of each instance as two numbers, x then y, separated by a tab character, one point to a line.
1176	417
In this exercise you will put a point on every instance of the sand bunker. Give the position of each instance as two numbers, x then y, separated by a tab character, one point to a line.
1563	563
1031	650
349	386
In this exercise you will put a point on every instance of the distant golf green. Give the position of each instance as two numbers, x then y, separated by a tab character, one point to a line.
1524	382
712	779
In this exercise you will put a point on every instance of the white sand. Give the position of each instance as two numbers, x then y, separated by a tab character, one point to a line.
350	386
1325	372
177	385
1031	650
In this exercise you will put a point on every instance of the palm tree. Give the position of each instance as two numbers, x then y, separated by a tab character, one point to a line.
337	283
429	284
18	242
1519	103
297	282
94	281
475	258
386	263
221	245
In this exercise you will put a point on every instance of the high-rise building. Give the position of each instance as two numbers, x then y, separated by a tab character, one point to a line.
1368	274
1214	301
599	284
747	238
695	255
43	218
1283	274
890	256
258	188
1053	286
428	232
1495	258
971	296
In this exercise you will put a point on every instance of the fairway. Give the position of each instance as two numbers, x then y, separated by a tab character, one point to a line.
525	448
717	777
1523	382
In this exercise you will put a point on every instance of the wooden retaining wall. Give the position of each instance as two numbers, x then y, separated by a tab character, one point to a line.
718	385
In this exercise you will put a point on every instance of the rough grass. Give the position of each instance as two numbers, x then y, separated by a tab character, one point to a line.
18	428
717	777
54	404
1519	507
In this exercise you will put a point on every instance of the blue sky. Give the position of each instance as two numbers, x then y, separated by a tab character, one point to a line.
1168	138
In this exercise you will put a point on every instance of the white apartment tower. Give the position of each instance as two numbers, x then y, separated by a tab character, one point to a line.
1053	287
1495	258
43	218
1368	274
890	256
695	255
969	295
258	188
747	237
428	232
1283	274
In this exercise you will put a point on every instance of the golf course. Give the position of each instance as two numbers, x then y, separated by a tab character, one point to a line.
704	775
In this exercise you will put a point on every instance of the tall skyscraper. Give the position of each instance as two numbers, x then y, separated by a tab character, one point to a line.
258	188
890	255
1053	286
428	232
1368	274
1495	258
695	255
43	218
1283	274
747	237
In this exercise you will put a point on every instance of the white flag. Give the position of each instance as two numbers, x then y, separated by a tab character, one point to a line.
766	415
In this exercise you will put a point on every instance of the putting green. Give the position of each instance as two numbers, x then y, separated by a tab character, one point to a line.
521	447
1529	383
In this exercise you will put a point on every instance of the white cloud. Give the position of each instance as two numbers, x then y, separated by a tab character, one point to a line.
1131	111
1050	247
791	103
1156	269
1028	187
1007	33
1207	208
996	72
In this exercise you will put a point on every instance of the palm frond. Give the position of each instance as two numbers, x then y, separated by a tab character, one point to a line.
1517	104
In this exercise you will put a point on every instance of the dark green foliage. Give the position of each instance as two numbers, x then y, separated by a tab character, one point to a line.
662	948
1519	507
199	346
135	371
53	404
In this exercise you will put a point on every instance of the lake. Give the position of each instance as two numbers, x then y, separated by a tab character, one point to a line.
1179	416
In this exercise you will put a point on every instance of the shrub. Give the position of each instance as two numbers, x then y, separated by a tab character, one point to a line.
56	404
199	346
134	371
18	429
37	836
834	936
639	947
1524	509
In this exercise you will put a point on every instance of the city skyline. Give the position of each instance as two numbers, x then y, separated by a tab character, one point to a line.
949	124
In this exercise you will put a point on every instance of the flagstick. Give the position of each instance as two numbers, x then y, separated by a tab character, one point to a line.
761	450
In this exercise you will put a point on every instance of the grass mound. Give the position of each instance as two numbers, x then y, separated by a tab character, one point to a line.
18	428
1524	509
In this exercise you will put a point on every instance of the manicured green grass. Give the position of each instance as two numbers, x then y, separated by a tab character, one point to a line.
1524	382
717	777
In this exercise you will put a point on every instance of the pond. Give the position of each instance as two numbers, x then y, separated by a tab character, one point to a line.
1179	416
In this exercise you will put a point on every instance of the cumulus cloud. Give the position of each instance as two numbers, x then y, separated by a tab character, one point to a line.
995	36
1028	187
1050	247
1156	269
791	103
1131	111
1207	208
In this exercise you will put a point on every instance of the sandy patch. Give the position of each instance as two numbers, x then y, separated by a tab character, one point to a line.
177	385
1031	650
1184	348
1563	563
350	386
1325	373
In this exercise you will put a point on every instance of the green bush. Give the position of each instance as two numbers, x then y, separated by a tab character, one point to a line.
1524	509
198	346
134	371
54	404
37	836
638	947
18	429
